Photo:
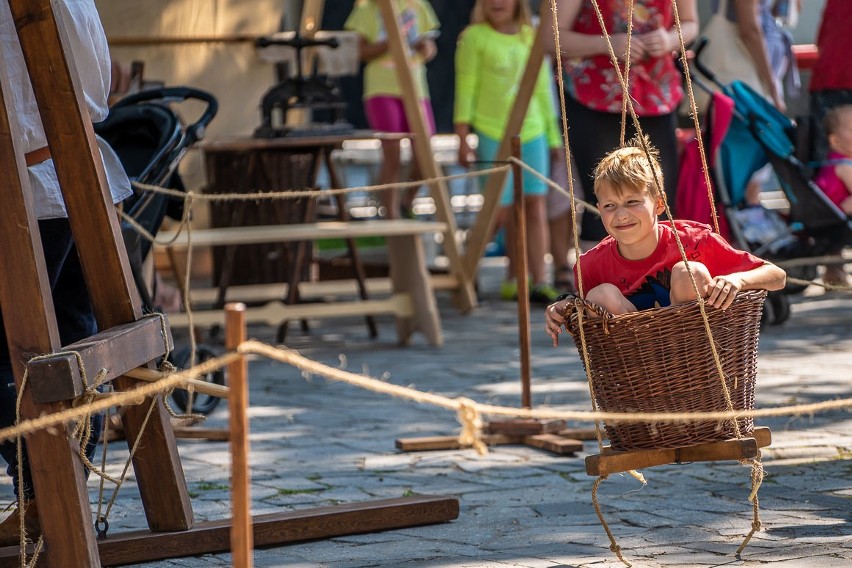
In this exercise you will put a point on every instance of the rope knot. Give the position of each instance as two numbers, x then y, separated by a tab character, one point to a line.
471	423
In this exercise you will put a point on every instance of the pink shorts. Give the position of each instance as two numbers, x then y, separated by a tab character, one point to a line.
387	114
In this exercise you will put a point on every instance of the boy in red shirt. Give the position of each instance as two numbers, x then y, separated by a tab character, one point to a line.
638	266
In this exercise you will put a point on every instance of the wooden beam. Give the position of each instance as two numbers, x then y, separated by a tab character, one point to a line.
271	530
30	325
94	223
152	376
118	350
613	461
466	296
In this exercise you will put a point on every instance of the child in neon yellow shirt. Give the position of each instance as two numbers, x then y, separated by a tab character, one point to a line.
490	61
382	93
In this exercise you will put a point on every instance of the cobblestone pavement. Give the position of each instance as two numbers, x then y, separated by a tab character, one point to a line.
315	442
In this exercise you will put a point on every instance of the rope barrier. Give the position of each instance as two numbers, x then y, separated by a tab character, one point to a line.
310	367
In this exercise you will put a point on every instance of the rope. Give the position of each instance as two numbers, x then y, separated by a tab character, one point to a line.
613	544
552	184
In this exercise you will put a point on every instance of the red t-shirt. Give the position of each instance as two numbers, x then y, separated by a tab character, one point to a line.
832	69
654	83
646	283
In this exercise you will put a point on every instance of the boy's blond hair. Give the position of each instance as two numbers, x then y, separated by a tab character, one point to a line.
834	118
521	16
628	167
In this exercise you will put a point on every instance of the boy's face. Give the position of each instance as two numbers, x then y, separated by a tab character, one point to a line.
841	139
630	217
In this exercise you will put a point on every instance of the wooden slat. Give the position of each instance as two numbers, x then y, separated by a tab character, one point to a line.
274	313
433	443
524	427
611	461
30	325
554	443
95	226
302	232
203	387
118	350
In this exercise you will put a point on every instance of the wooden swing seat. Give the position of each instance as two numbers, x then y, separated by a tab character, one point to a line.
660	360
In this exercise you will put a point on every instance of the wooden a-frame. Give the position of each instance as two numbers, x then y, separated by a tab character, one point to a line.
464	265
126	343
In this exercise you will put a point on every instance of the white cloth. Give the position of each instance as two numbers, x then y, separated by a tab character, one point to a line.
90	53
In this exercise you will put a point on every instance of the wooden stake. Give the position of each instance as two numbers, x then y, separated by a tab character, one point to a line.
520	261
241	530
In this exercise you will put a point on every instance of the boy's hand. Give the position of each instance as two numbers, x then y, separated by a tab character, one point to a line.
723	290
554	320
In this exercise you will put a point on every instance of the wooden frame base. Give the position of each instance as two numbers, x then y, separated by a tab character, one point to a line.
551	436
270	530
613	461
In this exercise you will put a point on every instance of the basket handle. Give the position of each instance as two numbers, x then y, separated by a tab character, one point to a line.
572	308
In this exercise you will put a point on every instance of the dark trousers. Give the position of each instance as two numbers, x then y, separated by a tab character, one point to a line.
594	134
75	319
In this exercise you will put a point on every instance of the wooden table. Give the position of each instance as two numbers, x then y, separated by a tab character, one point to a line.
243	165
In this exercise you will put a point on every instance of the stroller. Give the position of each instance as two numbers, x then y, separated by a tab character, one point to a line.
150	140
744	132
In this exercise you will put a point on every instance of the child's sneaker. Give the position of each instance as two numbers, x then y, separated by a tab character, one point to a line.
509	290
543	294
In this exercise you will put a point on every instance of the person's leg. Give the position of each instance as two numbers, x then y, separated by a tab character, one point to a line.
682	290
75	319
537	237
610	298
600	134
416	172
661	131
385	114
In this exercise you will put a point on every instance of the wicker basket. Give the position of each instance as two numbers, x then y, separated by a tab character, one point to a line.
659	360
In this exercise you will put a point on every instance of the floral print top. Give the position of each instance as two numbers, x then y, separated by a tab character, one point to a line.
654	83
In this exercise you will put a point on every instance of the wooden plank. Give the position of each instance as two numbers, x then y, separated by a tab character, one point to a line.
282	528
524	427
616	461
152	376
302	232
554	443
31	328
410	277
432	443
580	433
94	222
274	313
196	433
242	540
466	296
117	350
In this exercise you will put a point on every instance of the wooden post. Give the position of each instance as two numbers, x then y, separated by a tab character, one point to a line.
94	223
241	530
477	238
520	261
30	329
466	296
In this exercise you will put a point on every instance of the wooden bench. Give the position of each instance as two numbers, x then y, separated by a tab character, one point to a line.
412	298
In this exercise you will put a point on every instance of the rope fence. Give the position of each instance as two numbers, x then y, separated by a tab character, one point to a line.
461	405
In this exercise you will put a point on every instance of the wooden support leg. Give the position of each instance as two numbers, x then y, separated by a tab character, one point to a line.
409	275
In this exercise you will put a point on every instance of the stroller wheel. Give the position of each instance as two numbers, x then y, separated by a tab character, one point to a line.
201	403
776	309
808	273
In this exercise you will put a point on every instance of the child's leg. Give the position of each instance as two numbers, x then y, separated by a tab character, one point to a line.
389	173
846	205
682	290
610	298
537	236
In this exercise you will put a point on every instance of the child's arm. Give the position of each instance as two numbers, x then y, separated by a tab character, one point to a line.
368	50
844	173
467	85
723	289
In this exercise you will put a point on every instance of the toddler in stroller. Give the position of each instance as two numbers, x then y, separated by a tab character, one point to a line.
150	141
743	133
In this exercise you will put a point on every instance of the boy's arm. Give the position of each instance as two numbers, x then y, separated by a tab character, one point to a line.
765	277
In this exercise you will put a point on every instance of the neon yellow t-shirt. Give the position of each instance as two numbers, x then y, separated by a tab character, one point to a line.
489	67
416	17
